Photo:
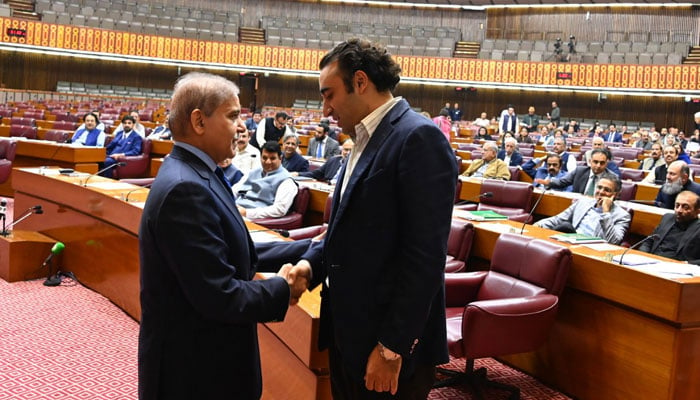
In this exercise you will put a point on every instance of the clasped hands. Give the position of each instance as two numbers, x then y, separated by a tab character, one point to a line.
298	277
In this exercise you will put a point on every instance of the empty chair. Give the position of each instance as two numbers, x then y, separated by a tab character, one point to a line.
24	131
459	245
510	55
540	45
603	58
500	44
617	58
681	48
624	47
675	58
639	47
653	47
487	44
526	45
58	136
523	55
510	198
536	56
631	58
609	47
659	59
595	48
513	45
645	58
581	47
667	47
497	55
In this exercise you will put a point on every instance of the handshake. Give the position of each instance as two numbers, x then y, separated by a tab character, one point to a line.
298	278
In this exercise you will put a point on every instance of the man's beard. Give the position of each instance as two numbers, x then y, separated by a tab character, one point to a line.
672	188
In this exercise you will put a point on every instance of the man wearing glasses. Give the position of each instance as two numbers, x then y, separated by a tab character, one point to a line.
272	129
597	216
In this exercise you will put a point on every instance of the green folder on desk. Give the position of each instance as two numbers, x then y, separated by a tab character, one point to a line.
577	238
485	215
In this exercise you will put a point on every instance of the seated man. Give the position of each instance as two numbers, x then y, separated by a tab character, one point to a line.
232	174
246	157
654	160
292	161
548	172
271	129
597	216
678	233
677	180
126	143
138	126
510	155
568	161
162	131
584	178
267	192
657	175
89	134
489	166
330	170
321	145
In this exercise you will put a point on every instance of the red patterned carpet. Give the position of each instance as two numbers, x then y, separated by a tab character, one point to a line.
68	342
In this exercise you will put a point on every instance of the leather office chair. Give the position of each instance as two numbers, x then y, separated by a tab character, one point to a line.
309	232
631	174
510	198
136	166
294	218
508	309
23	121
57	136
459	245
526	151
25	131
7	155
628	191
514	173
65	126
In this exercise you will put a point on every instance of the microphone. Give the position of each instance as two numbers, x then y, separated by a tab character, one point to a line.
23	216
486	195
282	232
126	197
119	164
54	280
532	211
3	213
639	243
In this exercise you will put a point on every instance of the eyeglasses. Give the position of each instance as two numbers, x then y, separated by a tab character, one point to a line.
604	189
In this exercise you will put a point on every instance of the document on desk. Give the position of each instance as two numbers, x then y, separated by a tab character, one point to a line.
635	259
110	185
670	269
265	236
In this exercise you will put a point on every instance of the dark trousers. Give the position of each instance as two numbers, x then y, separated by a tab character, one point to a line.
344	387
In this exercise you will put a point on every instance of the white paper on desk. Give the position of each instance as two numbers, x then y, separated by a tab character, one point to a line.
110	185
265	236
500	228
602	247
635	259
670	269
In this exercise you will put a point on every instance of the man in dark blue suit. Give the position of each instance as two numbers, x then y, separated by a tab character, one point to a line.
199	304
515	159
383	256
330	170
613	136
126	143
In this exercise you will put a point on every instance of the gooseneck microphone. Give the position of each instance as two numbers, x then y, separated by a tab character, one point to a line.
53	280
532	210
22	217
486	195
126	197
639	243
119	164
282	232
3	213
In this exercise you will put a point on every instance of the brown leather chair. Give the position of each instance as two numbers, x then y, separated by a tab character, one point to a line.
514	173
25	131
65	125
294	218
7	155
631	174
459	245
309	232
628	191
508	309
136	166
58	136
510	198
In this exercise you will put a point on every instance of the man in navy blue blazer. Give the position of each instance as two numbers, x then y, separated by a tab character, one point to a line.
613	135
126	143
199	304
383	256
515	159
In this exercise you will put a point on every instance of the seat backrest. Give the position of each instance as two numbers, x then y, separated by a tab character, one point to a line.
3	148
8	149
507	193
459	242
694	168
628	191
23	121
301	201
58	136
514	173
28	132
527	151
520	265
632	174
65	125
328	208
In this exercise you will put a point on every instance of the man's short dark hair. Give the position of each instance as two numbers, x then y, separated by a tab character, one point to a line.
361	55
282	114
272	146
606	152
326	127
129	118
685	169
97	120
617	183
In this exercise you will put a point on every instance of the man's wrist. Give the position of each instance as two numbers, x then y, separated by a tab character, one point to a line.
387	354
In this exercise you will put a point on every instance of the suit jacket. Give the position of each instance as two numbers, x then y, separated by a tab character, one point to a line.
497	169
296	163
612	227
617	137
687	249
130	147
664	200
578	178
327	171
515	159
200	307
331	149
384	250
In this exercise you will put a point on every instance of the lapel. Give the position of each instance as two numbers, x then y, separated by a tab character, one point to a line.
688	236
665	226
383	131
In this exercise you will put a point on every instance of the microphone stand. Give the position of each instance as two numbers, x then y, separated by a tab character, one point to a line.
634	246
22	217
486	195
119	164
126	197
532	211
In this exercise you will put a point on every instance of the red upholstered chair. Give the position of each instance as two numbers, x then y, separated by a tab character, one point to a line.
136	166
23	121
7	155
57	136
628	191
308	232
5	170
631	174
65	125
25	131
508	309
459	245
514	173
526	151
510	198
294	218
694	169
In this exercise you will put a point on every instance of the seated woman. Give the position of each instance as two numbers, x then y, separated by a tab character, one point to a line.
482	134
292	161
90	135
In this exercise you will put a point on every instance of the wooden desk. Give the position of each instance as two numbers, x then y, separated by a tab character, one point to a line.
644	220
160	148
100	231
620	333
22	254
